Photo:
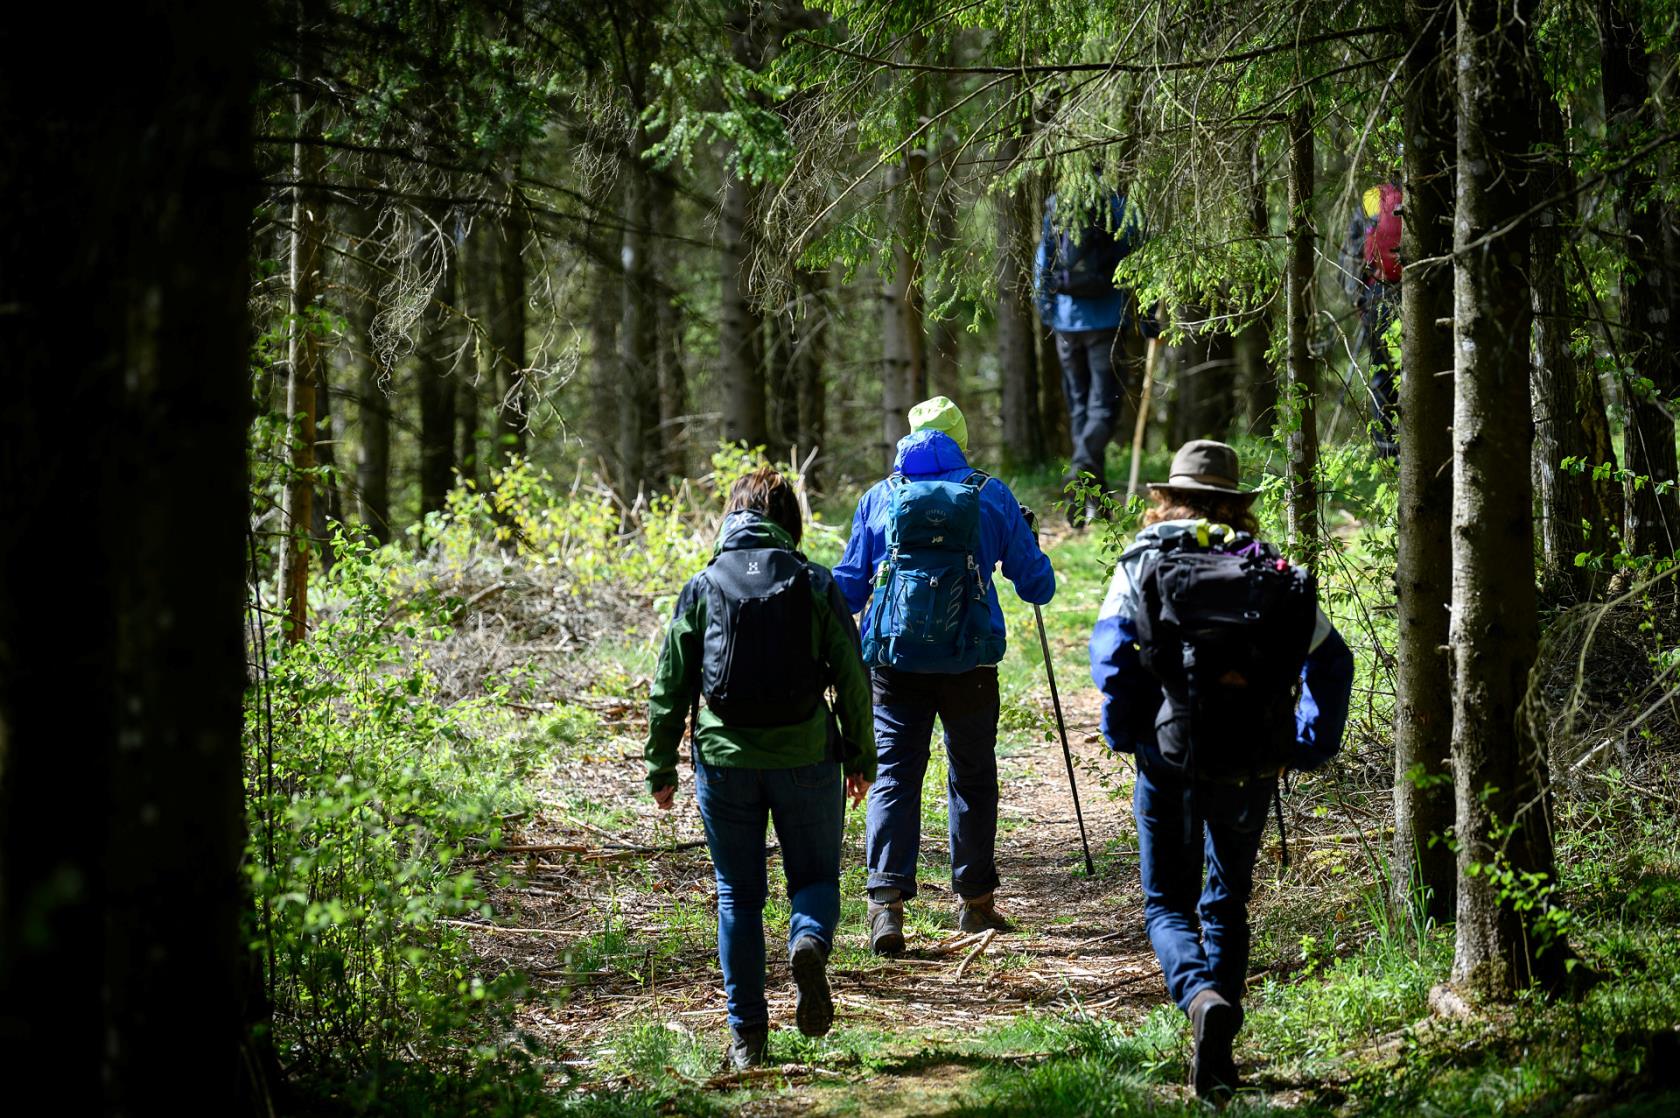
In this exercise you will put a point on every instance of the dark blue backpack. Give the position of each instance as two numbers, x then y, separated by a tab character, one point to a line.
929	611
1085	255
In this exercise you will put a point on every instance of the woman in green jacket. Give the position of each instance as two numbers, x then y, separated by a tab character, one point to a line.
762	634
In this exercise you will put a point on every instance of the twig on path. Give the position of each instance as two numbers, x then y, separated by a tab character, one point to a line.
506	929
957	944
1102	938
985	942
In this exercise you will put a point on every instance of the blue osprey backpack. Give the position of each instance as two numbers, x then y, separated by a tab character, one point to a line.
929	611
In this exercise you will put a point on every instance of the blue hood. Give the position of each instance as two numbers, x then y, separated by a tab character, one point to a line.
928	452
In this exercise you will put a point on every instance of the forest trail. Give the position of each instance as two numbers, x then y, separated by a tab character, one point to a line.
609	907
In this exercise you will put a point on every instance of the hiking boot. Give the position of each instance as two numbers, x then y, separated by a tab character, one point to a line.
813	1007
886	927
746	1046
1213	1026
979	914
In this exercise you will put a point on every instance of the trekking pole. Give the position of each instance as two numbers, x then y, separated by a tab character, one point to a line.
1067	754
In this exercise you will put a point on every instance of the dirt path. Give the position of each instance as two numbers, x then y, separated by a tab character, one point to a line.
610	908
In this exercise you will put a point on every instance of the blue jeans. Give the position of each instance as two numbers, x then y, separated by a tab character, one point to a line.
905	706
1089	381
805	804
1199	931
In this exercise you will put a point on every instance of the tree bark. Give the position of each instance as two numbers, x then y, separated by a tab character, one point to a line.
373	464
638	399
809	360
1424	870
122	958
899	322
1651	334
327	507
1502	820
671	373
1017	328
1567	402
605	311
507	333
1259	382
943	348
1301	376
437	353
740	330
303	348
466	421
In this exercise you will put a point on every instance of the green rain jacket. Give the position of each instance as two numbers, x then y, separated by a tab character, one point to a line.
676	683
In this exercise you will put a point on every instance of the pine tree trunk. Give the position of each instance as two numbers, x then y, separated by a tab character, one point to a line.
436	355
1502	821
1651	334
466	422
507	334
1566	400
1301	376
810	358
327	508
944	338
1017	327
740	330
1259	382
897	358
373	464
671	374
638	398
1424	871
303	350
127	271
605	310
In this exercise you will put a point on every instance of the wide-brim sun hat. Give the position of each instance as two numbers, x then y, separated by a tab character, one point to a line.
1206	466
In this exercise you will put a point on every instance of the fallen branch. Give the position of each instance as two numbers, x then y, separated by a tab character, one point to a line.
985	942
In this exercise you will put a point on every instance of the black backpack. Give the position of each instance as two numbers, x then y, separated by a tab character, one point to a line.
757	668
1226	627
1086	256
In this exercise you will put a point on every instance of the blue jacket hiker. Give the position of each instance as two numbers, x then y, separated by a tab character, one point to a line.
762	633
1191	820
1073	283
924	546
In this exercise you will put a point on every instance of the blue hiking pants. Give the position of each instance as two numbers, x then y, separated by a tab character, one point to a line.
1197	844
736	804
906	703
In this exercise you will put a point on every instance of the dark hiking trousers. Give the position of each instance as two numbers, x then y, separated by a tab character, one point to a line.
1377	311
1092	361
1198	924
906	703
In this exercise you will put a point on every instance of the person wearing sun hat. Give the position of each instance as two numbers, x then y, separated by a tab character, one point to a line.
962	695
1195	829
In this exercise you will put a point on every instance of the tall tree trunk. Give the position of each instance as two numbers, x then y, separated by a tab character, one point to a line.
507	333
897	356
638	400
670	372
604	313
1424	871
1053	417
1301	376
1651	334
437	354
810	356
1500	788
373	463
122	951
466	422
740	331
944	339
1259	382
1566	401
327	508
1017	328
303	347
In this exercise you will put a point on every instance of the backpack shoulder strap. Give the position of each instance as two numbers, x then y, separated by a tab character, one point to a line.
978	479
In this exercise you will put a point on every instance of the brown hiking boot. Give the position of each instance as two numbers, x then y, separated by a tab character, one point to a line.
886	928
979	914
1213	1025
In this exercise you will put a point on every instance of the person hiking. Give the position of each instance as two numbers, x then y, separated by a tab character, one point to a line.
761	633
1219	672
1371	275
1073	285
924	544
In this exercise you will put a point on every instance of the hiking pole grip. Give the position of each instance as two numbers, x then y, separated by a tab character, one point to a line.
1061	726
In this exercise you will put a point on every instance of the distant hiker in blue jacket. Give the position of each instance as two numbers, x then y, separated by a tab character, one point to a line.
1073	281
1211	741
924	545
